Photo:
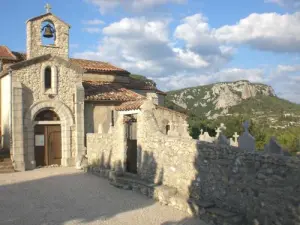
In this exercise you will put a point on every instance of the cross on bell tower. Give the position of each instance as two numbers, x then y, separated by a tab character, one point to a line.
48	7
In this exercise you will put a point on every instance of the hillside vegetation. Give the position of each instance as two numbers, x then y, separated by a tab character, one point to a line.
232	103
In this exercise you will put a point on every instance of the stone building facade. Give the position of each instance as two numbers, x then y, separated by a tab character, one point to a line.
49	101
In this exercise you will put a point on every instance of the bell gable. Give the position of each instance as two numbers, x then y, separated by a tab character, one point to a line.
47	34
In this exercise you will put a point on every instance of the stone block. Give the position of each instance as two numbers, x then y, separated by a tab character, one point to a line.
164	193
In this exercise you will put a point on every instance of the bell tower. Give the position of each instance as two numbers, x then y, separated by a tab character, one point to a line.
47	34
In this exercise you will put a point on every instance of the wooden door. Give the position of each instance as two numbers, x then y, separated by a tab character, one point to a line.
39	146
131	136
47	144
131	156
54	145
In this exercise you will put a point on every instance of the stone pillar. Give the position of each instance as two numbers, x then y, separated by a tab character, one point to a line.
79	121
29	146
17	127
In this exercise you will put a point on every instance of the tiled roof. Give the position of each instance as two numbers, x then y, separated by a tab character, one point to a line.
87	65
131	105
104	91
5	53
97	66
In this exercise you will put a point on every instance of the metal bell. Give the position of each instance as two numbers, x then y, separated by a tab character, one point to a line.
48	31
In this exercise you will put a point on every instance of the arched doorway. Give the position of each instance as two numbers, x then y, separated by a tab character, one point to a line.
47	138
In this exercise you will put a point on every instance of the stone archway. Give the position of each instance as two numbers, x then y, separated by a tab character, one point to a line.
67	122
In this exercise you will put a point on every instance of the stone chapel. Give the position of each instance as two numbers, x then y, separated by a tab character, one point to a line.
49	101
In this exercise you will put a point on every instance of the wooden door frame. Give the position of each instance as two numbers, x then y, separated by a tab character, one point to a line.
128	136
45	124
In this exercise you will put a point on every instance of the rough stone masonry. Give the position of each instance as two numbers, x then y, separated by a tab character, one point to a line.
265	188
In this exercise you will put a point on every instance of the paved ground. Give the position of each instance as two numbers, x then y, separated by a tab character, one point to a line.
68	196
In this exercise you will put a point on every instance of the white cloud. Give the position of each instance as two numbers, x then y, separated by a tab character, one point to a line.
268	31
286	3
199	37
106	5
190	58
93	22
197	34
195	53
143	46
288	68
92	30
138	28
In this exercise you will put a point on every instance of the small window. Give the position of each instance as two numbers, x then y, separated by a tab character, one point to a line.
48	78
112	118
167	129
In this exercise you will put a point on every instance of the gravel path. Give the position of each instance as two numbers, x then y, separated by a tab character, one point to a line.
68	196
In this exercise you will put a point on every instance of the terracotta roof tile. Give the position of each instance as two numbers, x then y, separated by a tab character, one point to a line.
97	66
131	105
104	91
88	65
5	53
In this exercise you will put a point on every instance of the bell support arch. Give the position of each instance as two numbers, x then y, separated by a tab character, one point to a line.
67	122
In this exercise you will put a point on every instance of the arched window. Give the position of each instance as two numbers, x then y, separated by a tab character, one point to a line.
47	115
48	78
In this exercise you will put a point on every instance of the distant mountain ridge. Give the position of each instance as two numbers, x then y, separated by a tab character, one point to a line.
231	98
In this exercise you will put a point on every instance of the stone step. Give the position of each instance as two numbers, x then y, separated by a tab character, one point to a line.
7	171
134	180
135	184
120	185
4	164
217	216
6	167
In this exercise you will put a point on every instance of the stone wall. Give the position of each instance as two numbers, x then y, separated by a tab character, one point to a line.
264	188
98	114
107	147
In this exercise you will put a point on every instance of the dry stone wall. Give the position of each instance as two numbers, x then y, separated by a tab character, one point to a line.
265	188
107	148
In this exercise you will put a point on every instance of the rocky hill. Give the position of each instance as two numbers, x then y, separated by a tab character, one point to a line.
235	98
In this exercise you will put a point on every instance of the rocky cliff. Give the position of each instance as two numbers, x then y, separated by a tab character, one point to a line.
214	100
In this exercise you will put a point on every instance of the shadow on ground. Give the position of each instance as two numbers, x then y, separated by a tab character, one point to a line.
74	198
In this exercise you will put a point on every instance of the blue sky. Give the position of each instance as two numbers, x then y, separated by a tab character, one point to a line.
178	43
